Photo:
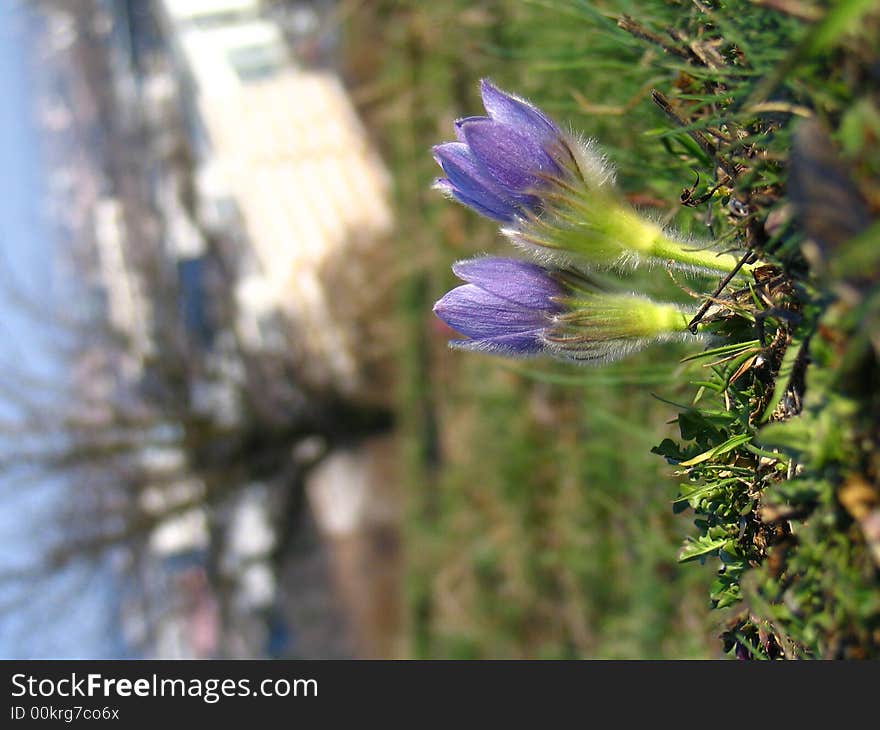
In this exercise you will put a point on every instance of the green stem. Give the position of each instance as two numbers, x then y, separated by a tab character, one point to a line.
663	247
648	239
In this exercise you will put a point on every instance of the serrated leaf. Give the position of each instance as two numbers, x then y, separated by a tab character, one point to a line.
669	450
703	490
696	548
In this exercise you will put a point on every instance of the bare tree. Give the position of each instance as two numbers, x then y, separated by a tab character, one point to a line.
166	412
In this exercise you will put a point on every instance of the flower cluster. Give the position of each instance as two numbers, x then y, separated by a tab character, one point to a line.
555	198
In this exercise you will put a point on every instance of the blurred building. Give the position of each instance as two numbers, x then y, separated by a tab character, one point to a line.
227	199
127	309
285	174
281	157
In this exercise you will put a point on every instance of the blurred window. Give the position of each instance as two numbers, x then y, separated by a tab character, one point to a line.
193	302
255	62
216	20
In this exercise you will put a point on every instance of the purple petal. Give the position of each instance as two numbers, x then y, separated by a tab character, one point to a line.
476	313
509	109
520	282
459	135
520	343
474	187
513	159
502	215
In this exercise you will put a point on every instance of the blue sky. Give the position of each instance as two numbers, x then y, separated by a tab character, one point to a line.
67	618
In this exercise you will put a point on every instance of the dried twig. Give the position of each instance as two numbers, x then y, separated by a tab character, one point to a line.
692	325
637	30
699	137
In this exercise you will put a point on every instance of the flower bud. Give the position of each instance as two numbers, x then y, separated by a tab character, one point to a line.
515	308
503	307
555	193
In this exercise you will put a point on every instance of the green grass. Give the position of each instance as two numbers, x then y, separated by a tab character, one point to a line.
539	522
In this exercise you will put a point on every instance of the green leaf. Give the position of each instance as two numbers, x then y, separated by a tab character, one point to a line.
729	445
704	490
783	378
724	350
669	450
794	435
842	18
695	548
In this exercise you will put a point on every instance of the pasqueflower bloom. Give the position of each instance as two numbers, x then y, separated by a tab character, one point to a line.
554	193
504	306
501	162
516	308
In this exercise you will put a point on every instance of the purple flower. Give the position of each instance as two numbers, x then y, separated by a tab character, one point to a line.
504	307
501	162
